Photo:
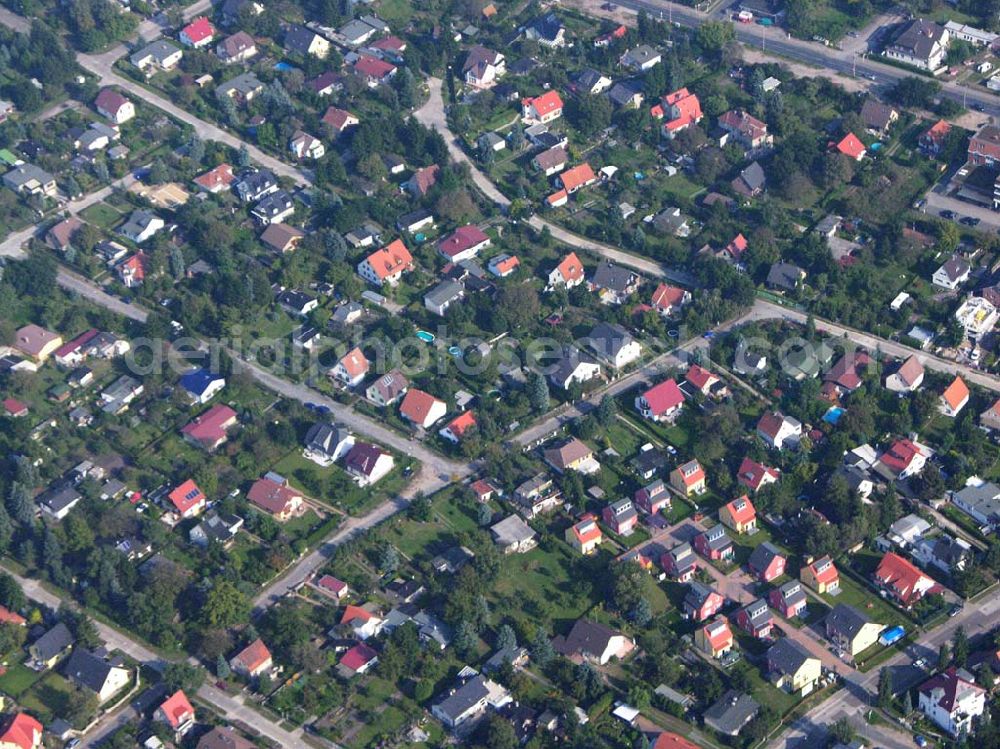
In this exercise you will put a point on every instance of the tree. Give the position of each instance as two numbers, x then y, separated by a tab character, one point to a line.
542	651
960	646
183	676
713	36
841	731
11	594
243	156
538	393
224	606
607	411
420	508
19	504
944	655
884	688
222	669
484	515
196	150
642	613
465	638
388	558
506	639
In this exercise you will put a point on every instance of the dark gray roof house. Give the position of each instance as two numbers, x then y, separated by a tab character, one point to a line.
751	181
785	276
299	40
786	657
52	644
731	712
86	669
845	621
609	341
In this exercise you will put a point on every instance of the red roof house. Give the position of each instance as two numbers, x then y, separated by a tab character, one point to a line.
14	408
11	617
682	109
177	712
740	515
273	495
339	119
661	402
210	429
668	300
187	499
852	147
421	408
359	658
198	33
903	580
373	70
463	243
754	475
701	379
216	180
72	353
331	586
575	178
904	458
456	429
544	108
22	731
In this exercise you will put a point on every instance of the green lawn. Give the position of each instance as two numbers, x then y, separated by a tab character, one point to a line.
18	679
867	601
101	215
48	698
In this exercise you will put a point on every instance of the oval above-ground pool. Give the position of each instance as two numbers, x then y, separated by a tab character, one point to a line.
455	350
424	336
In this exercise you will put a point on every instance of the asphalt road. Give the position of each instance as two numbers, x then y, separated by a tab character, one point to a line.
776	41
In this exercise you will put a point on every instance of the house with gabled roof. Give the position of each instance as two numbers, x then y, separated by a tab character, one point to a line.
821	575
215	180
275	496
754	475
878	117
361	622
386	266
176	711
952	273
304	146
573	367
351	368
903	580
567	274
689	479
746	130
367	463
422	408
388	389
789	599
359	659
614	345
306	42
590	641
669	300
952	699
20	731
715	639
547	30
907	378
903	458
254	660
158	55
199	33
238	47
187	499
661	403
614	284
852	147
620	516
572	455
513	536
714	544
652	498
767	562
681	109
111	104
339	120
544	108
210	429
483	67
102	676
701	602
680	562
463	244
739	515
373	71
793	668
422	180
585	535
778	430
954	397
755	619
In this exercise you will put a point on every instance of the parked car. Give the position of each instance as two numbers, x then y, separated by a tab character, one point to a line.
948	214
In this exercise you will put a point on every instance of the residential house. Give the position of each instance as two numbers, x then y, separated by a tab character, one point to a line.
304	146
953	273
422	180
590	81
60	236
20	731
821	575
739	515
627	94
253	661
544	108
671	221
98	675
513	536
767	562
851	147
567	274
878	117
386	265
219	528
275	496
467	703
238	47
547	30
714	544
503	265
359	659
483	67
701	602
330	586
242	89
751	181
731	712
784	277
954	397
339	120
755	619
946	553
273	208
28	179
296	302
306	43
680	562
224	737
920	43
141	226
572	455
199	33
746	130
621	517
50	647
414	221
326	443
36	342
952	699
422	409
572	368
903	459
907	378
614	284
778	430
463	244
57	503
176	711
715	639
443	296
373	71
282	238
254	185
216	180
456	429
361	623
980	501
669	300
934	138
201	385
904	581
661	403
593	642
187	499
990	418
614	345
585	535
351	368
367	463
159	55
576	178
793	668
111	104
387	389
978	316
640	58
681	109
210	429
689	479
754	475
789	599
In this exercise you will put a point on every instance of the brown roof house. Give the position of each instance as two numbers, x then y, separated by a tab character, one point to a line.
282	237
572	455
590	641
36	342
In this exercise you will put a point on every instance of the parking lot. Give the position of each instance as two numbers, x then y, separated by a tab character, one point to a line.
989	220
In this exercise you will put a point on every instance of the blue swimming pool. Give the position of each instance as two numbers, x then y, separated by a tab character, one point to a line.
455	350
424	336
283	67
833	415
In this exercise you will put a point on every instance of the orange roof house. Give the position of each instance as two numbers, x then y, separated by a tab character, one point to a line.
568	273
253	660
852	147
903	580
558	199
740	515
585	536
422	408
544	108
688	478
11	617
187	499
352	368
21	731
354	613
954	398
668	740
457	428
577	177
701	379
216	180
387	264
668	300
683	110
715	638
821	575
